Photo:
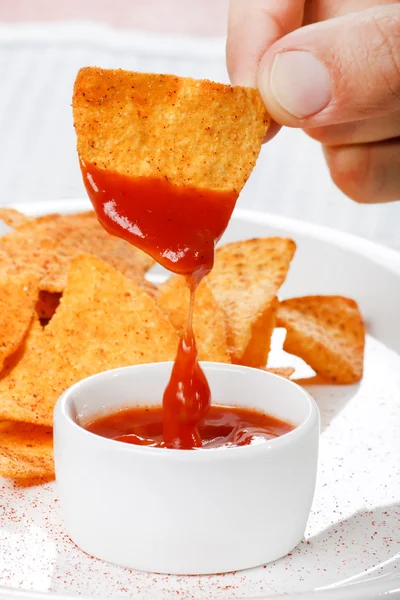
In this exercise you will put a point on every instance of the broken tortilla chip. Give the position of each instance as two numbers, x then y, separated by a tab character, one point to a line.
12	217
18	296
285	372
192	133
26	451
208	318
48	244
104	321
244	281
328	333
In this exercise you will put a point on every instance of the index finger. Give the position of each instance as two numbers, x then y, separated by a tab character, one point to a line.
253	25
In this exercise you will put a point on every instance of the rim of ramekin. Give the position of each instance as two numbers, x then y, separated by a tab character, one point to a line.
62	411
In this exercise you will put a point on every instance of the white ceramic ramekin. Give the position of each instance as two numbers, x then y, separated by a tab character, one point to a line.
186	511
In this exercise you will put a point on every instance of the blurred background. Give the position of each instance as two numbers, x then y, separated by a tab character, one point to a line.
43	43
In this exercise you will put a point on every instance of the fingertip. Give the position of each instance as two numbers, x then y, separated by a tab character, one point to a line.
294	85
263	81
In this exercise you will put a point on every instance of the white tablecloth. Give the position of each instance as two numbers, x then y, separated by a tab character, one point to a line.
38	64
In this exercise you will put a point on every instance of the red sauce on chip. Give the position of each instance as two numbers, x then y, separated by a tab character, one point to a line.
179	227
223	426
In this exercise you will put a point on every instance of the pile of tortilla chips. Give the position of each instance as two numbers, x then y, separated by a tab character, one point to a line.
74	305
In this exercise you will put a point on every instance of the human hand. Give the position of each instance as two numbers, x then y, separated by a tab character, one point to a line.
332	68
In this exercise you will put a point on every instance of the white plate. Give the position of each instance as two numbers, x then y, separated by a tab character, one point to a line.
352	544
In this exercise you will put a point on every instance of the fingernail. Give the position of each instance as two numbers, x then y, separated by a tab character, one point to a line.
300	83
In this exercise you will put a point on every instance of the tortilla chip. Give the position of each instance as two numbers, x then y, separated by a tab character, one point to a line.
193	133
25	482
47	304
104	321
208	319
12	217
257	350
285	372
148	287
47	245
328	333
18	296
244	281
6	263
26	451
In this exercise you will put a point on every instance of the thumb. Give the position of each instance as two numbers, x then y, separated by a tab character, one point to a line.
340	70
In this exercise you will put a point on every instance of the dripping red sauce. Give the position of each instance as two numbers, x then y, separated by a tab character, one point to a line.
223	426
179	227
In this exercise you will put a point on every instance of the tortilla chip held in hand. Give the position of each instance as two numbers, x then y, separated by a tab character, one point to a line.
191	133
208	318
245	280
104	321
328	333
164	158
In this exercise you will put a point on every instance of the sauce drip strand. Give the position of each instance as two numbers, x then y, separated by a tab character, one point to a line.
179	227
187	397
223	426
